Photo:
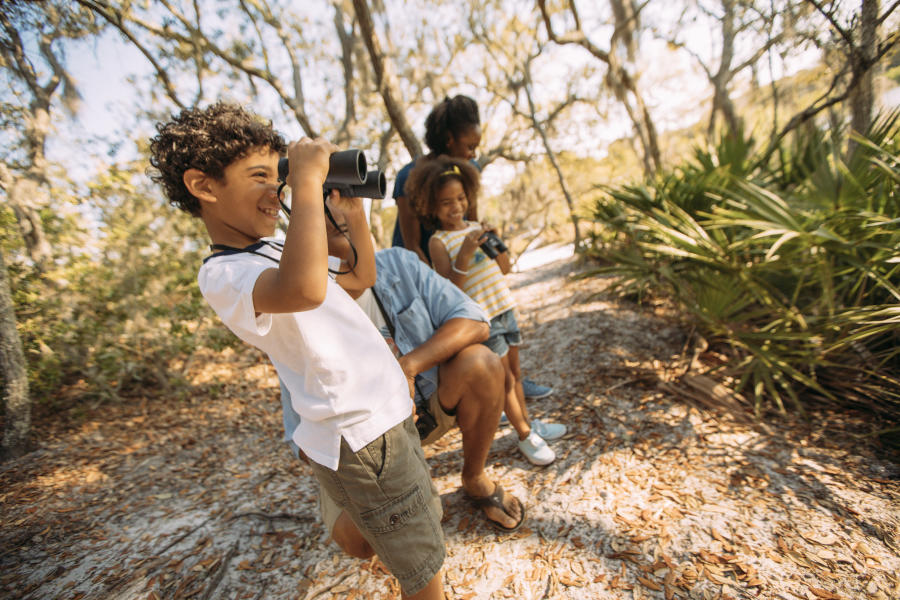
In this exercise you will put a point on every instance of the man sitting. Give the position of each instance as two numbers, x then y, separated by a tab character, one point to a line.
437	331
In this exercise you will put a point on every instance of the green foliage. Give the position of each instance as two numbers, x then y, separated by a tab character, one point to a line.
792	265
121	313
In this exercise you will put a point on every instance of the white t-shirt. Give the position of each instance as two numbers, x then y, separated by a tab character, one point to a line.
342	377
369	304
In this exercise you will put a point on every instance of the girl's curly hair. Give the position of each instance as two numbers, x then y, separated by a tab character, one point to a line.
209	140
451	116
430	175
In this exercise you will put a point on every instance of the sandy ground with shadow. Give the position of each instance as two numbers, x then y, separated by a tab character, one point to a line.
650	497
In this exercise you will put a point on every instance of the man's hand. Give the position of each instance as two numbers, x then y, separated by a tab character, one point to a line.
345	206
410	370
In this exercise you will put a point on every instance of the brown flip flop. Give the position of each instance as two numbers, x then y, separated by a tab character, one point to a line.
496	500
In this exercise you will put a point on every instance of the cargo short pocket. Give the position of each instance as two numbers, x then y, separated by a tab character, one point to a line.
376	456
406	538
395	515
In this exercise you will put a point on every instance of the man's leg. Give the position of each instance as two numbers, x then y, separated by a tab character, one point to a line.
472	383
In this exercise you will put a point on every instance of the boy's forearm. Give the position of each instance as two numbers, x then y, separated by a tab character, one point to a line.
304	261
301	280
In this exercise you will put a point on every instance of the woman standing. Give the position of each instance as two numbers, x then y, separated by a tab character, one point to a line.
452	128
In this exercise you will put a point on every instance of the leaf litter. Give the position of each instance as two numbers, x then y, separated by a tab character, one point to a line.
660	489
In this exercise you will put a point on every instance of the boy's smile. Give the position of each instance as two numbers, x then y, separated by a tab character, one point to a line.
244	206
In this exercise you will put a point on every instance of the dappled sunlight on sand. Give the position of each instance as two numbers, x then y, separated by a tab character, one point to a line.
233	367
65	477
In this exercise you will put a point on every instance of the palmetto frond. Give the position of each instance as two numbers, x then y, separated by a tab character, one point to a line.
795	265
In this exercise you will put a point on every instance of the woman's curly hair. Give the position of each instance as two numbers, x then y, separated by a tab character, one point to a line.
451	116
430	175
209	140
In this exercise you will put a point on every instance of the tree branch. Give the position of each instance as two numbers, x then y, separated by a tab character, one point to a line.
887	13
573	37
384	79
848	39
816	107
114	18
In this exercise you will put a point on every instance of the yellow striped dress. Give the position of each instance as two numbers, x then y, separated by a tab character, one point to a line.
484	283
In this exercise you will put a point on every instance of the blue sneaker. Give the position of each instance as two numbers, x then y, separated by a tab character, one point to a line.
548	431
534	391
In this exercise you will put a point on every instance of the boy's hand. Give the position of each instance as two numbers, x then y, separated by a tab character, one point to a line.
309	161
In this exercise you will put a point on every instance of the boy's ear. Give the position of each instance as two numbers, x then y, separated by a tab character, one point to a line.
198	184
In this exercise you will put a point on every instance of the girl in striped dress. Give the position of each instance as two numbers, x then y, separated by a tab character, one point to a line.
443	190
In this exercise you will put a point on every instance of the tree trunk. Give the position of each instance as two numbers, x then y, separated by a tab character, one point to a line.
15	377
21	194
862	100
721	100
573	215
347	40
385	80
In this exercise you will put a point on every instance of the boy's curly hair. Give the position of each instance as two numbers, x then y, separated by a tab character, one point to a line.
452	115
430	175
209	140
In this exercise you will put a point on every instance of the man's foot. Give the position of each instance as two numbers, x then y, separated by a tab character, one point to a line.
548	431
535	391
503	511
536	450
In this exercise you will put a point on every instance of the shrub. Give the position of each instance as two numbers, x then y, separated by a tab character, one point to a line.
792	265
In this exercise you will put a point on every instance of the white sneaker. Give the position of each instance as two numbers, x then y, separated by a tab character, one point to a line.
548	431
536	450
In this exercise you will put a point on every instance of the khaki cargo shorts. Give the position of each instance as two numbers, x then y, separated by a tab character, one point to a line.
386	490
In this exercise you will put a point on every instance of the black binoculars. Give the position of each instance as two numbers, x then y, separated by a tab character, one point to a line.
493	246
347	174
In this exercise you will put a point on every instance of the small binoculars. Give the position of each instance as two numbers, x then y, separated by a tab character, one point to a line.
493	246
347	174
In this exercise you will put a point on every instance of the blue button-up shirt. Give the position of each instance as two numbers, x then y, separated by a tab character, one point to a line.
417	301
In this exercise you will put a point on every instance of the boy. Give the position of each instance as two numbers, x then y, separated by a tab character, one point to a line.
220	164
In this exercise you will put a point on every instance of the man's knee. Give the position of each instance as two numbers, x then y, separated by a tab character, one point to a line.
347	536
481	364
484	378
473	379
